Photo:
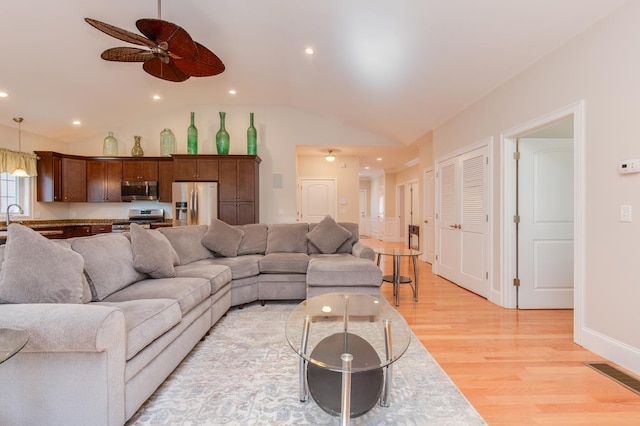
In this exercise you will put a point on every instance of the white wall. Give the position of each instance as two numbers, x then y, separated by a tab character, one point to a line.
601	67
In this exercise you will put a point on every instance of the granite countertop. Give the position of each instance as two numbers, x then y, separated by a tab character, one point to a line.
38	225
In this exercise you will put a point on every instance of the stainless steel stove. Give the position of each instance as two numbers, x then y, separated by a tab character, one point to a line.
144	217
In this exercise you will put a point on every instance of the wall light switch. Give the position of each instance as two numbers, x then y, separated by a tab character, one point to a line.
625	213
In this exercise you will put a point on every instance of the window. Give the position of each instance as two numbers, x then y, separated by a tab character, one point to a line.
15	190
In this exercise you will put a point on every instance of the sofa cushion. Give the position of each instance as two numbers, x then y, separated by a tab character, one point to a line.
37	270
347	246
287	238
284	263
108	261
328	236
254	240
146	320
241	266
342	269
187	242
152	252
218	275
222	238
189	292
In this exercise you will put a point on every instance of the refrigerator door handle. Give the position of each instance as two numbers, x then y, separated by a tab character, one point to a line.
194	207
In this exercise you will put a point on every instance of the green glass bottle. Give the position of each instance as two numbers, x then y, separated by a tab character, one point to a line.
222	137
252	137
192	137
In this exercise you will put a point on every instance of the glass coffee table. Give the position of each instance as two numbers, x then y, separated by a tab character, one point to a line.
12	340
347	343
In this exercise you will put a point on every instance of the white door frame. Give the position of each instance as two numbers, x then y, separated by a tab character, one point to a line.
506	297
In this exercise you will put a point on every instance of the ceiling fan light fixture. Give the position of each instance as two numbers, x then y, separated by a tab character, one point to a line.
330	157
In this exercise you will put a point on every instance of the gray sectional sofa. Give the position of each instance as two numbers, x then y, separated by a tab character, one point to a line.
111	316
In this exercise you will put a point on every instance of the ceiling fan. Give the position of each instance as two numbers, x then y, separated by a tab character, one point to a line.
171	54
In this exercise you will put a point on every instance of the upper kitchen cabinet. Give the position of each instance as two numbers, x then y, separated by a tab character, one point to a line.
103	180
239	189
61	177
188	168
135	169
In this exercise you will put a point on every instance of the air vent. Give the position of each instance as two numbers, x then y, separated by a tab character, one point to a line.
624	379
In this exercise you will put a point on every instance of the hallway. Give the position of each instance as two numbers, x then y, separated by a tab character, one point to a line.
517	367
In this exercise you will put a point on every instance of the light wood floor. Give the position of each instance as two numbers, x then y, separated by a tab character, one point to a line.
516	367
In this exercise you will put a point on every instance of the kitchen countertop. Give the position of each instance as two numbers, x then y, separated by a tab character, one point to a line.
38	225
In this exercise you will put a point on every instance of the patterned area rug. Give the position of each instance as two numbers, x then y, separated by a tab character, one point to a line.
245	373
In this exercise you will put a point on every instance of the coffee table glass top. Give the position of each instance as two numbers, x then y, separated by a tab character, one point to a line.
366	317
11	341
397	251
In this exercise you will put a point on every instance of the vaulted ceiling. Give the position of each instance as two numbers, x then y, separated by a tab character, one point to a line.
394	68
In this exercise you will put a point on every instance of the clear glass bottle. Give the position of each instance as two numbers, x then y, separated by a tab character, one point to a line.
137	151
192	137
252	137
167	143
110	146
222	137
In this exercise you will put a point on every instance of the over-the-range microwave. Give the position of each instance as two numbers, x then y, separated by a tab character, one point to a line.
134	190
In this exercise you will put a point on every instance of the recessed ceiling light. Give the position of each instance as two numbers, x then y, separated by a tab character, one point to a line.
77	122
156	97
366	167
309	51
379	159
232	92
3	94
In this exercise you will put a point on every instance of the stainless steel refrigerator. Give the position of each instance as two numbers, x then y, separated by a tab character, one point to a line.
194	203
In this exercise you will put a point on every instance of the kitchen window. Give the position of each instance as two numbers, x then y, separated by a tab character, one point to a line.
15	190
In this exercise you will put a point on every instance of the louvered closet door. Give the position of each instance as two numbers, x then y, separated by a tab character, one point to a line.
448	259
473	224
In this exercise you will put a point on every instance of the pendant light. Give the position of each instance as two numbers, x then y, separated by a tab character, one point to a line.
20	171
330	157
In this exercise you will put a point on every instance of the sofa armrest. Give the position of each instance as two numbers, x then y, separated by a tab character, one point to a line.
66	327
363	251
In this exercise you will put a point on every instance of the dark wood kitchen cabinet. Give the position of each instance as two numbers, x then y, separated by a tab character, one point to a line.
187	168
165	179
134	169
103	181
61	177
238	189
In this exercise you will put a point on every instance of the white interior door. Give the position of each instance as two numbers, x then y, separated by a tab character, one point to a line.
462	222
362	214
318	198
473	222
545	232
448	258
428	229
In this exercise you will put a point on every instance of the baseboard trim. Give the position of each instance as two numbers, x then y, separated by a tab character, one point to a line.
618	352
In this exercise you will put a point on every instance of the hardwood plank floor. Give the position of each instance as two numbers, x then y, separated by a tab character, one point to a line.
516	367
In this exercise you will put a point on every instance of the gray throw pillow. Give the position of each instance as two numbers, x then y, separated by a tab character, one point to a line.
152	252
328	236
37	270
223	238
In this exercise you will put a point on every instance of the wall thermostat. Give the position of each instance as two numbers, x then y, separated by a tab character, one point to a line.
629	166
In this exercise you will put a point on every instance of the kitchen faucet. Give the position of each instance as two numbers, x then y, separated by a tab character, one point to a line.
8	213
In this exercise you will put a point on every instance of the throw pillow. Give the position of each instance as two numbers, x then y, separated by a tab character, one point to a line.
223	238
37	270
152	252
328	236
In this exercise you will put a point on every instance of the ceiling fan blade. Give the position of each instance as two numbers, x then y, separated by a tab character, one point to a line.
179	41
126	54
157	68
205	64
120	34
